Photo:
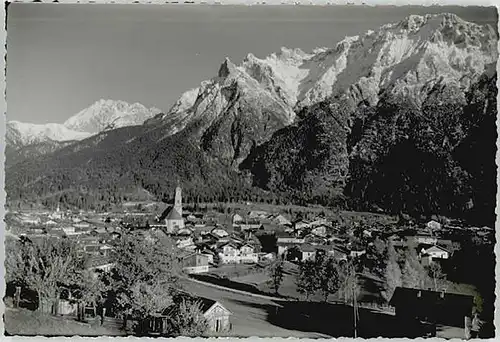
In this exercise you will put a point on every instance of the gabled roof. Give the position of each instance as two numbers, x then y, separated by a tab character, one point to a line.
281	234
229	243
173	215
205	303
436	247
170	213
305	247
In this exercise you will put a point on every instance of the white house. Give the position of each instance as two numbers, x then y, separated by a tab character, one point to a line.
436	252
319	230
317	222
219	232
266	257
237	218
229	253
209	255
257	214
70	230
247	254
279	219
357	253
367	233
301	224
184	242
433	225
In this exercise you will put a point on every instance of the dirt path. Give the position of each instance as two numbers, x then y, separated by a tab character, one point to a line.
249	311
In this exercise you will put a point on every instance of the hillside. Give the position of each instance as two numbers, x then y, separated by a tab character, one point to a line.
437	157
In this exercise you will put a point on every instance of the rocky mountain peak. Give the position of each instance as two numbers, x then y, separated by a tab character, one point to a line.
109	114
227	68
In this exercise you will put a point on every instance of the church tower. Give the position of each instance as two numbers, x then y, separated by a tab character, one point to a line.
178	199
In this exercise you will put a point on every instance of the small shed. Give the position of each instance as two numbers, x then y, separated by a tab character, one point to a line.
216	315
444	308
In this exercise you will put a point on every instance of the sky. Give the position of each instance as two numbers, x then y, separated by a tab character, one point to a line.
61	58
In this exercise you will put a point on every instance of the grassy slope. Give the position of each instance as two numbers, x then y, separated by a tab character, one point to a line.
26	322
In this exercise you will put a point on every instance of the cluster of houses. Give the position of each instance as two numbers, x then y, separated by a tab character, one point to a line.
205	243
94	238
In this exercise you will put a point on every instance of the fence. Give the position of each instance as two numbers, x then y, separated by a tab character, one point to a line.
377	306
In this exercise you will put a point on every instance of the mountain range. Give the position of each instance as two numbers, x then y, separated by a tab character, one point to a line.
100	116
397	119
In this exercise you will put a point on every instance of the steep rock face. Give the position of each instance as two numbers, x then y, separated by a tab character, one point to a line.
245	104
227	115
405	58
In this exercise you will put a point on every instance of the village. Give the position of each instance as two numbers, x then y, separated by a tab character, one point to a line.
234	250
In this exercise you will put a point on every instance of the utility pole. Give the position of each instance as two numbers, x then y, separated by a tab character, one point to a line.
354	311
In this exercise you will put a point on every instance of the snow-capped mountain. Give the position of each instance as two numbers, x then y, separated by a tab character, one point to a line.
403	118
108	114
102	115
408	57
22	134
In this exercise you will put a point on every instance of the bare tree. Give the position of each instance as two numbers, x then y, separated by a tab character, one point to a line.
349	288
437	275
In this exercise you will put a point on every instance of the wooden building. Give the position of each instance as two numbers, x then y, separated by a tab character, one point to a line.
216	315
437	308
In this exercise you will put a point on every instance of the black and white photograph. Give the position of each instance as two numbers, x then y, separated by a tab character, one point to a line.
209	170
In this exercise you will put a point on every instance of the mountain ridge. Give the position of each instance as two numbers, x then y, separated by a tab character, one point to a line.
320	127
100	116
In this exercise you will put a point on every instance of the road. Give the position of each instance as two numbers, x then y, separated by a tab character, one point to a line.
249	313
